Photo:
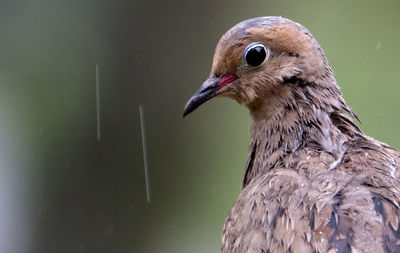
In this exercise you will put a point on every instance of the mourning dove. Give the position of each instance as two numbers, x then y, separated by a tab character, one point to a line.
314	182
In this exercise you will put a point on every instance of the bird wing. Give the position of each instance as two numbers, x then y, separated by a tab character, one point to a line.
353	208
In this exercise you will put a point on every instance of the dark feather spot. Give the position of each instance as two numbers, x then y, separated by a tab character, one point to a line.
312	217
293	54
294	80
342	246
250	165
341	237
335	208
378	206
289	107
308	96
396	233
278	214
332	221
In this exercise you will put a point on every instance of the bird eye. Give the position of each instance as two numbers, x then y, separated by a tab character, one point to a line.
255	54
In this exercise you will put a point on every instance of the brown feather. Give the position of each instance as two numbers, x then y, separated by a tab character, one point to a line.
314	182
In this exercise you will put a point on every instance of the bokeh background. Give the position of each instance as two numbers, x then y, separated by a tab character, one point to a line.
62	190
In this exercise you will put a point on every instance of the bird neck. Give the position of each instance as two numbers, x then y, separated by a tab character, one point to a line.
280	131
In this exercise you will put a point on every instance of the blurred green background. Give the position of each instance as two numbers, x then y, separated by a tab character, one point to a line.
62	190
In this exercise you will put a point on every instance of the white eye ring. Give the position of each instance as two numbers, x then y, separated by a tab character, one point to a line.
255	54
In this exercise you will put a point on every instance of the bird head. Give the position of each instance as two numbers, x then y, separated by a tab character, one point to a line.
261	60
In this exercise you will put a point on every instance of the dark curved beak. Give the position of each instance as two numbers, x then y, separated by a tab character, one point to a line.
207	91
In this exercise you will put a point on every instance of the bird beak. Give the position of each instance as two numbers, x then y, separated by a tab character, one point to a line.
207	91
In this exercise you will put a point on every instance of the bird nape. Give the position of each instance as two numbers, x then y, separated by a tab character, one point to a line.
314	182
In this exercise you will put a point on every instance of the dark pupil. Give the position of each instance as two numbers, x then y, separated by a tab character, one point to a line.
255	56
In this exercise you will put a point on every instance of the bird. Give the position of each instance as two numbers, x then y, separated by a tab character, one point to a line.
313	181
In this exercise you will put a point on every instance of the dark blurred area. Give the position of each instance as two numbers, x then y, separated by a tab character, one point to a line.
64	190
